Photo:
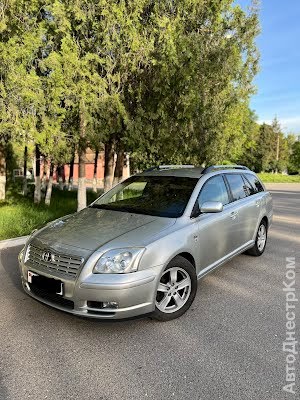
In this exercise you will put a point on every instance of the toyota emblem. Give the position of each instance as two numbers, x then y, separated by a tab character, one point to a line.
47	256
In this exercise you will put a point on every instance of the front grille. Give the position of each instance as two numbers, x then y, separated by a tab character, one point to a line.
62	264
51	297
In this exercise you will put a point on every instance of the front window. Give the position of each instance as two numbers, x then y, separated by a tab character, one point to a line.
163	196
214	190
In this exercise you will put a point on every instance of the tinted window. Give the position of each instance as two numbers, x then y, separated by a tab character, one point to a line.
214	190
163	196
248	187
238	189
255	183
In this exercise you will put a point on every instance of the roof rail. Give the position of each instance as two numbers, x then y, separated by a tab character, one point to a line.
164	167
218	167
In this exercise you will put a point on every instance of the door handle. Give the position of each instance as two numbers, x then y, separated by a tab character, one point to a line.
233	215
257	203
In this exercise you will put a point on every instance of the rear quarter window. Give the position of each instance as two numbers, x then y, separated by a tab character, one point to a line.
255	183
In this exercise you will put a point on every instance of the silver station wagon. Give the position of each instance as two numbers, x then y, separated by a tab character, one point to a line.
141	247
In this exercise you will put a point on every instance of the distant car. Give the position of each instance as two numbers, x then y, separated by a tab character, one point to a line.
140	247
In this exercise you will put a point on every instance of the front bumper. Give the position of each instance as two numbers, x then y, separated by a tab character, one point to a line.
135	293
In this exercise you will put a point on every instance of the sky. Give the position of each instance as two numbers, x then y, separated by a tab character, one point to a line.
278	82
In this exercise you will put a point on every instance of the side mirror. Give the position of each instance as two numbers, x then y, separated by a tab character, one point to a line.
211	207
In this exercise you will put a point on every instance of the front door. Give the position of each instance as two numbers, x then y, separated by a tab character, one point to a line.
215	230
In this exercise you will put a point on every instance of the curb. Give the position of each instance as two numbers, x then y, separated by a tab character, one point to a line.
18	241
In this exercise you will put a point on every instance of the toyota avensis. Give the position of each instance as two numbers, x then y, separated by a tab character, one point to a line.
141	247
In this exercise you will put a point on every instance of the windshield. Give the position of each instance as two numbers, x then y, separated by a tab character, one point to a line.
163	196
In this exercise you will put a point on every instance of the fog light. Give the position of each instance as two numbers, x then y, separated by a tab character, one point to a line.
110	304
102	304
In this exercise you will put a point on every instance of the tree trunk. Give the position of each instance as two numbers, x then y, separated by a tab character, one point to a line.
126	169
118	175
95	171
25	171
109	159
44	179
2	172
37	190
49	186
70	183
81	193
60	177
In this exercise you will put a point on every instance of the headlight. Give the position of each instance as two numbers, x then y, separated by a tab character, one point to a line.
119	261
21	255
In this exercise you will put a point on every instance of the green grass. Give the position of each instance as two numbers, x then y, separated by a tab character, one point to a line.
19	215
279	178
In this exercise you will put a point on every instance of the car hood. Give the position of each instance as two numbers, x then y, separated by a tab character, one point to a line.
91	228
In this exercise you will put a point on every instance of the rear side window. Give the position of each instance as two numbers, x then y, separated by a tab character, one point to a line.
237	186
255	183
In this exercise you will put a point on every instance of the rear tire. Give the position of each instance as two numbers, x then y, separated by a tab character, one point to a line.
260	241
176	290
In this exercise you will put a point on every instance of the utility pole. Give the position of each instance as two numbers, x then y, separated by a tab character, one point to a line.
277	152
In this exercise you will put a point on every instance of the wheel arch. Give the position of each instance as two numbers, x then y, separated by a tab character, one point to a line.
188	256
265	218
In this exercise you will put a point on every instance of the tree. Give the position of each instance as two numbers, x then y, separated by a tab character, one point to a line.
266	145
21	45
251	132
167	81
295	156
74	31
277	132
203	63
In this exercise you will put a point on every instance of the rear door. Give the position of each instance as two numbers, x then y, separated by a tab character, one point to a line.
246	207
258	197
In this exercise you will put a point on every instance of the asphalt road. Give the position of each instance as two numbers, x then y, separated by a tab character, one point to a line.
227	346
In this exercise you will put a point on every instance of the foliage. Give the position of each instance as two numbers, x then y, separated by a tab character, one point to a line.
270	136
278	178
294	164
19	215
169	81
197	88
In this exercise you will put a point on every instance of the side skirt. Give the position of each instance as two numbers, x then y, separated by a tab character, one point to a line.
223	260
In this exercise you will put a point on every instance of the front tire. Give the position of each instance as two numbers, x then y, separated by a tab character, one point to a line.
176	290
260	241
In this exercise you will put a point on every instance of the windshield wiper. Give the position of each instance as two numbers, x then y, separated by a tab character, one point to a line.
111	208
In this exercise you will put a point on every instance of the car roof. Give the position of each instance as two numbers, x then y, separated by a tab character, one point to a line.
182	172
190	172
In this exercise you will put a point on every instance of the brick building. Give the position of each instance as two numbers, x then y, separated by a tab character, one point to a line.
89	168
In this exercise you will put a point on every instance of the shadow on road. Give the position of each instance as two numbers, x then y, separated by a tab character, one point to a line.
9	261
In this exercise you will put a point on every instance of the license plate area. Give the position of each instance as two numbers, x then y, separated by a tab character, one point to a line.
49	285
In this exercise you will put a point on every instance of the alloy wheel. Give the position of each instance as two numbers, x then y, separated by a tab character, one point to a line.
261	237
173	290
